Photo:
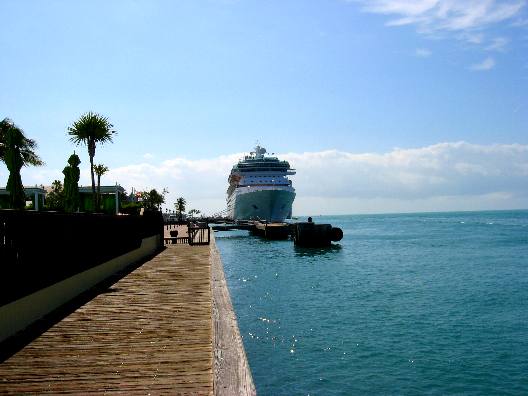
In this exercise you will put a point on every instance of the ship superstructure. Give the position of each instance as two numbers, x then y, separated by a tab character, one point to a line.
259	188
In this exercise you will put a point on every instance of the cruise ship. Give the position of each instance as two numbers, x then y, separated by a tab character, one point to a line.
259	188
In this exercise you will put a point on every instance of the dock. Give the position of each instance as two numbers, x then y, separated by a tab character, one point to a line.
304	234
152	332
272	230
264	229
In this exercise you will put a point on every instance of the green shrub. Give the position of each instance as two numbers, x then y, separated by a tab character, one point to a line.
132	208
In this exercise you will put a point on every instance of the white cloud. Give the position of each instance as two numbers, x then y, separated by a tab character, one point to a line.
463	20
472	38
521	22
498	44
437	170
444	15
486	64
444	176
148	156
422	53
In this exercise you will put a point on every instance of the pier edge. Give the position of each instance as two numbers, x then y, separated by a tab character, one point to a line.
232	374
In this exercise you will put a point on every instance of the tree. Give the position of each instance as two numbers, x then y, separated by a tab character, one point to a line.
27	146
193	212
91	129
99	170
71	184
55	198
16	151
152	200
180	207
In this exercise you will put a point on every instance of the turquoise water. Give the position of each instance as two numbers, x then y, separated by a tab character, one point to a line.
433	303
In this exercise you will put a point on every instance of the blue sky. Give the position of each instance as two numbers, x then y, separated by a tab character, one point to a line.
192	84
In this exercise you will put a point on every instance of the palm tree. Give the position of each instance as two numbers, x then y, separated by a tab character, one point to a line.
193	212
180	207
16	151
26	146
90	129
99	170
55	198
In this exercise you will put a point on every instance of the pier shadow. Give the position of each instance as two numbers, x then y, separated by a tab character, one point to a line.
316	251
17	342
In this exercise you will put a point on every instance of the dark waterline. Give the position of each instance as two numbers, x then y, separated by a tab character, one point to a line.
406	303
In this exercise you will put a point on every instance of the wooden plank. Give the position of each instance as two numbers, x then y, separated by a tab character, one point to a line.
151	332
232	375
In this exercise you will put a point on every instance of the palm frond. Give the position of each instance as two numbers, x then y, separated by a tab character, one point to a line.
30	158
91	127
100	169
18	140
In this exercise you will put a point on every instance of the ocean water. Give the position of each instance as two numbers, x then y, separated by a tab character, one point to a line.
433	303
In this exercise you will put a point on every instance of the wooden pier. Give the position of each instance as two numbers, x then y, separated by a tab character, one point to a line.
152	332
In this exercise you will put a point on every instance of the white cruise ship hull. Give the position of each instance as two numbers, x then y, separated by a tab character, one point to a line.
264	203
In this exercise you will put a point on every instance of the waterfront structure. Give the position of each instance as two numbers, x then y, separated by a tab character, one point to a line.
34	194
259	188
110	199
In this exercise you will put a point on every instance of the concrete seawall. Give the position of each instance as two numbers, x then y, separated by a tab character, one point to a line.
21	313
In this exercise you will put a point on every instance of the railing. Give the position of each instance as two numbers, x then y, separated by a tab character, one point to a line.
172	227
38	249
199	234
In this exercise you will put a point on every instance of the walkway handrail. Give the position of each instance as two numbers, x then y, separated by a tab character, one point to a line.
199	233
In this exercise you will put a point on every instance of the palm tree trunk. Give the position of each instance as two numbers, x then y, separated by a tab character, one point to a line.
98	192
94	197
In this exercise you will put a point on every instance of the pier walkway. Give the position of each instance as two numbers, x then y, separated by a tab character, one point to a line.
151	332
